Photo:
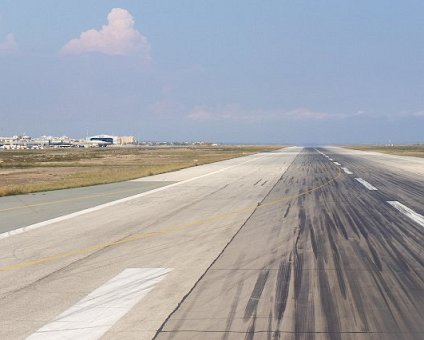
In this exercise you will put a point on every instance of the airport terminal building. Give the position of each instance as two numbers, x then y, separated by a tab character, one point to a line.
115	140
105	138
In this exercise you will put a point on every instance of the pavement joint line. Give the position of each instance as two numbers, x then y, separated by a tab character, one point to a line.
416	217
283	331
239	229
141	236
316	270
366	184
116	202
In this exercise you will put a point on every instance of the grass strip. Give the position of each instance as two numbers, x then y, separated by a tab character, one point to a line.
400	150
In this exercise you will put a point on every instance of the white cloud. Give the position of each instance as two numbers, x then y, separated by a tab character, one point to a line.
306	114
407	114
419	114
8	45
117	37
237	113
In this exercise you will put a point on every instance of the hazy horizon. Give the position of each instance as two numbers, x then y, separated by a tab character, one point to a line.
274	72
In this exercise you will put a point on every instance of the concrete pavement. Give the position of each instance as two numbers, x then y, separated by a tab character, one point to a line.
44	272
22	210
287	245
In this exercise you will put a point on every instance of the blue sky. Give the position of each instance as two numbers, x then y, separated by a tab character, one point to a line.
303	72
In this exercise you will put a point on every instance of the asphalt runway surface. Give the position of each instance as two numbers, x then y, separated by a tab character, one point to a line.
303	243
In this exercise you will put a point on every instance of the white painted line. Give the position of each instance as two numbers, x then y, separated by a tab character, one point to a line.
113	203
337	163
330	159
366	184
408	212
91	317
346	170
319	152
322	153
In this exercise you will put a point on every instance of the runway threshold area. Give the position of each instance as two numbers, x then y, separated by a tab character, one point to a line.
322	257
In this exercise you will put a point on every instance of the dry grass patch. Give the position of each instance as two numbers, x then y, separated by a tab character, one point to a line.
25	171
401	150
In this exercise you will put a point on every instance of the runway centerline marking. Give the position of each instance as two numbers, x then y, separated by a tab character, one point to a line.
366	184
91	317
418	218
337	163
346	170
141	236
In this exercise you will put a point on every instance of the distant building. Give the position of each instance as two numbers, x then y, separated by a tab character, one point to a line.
28	142
8	140
15	142
105	138
115	140
124	140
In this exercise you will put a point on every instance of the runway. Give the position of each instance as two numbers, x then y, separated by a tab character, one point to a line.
335	263
304	243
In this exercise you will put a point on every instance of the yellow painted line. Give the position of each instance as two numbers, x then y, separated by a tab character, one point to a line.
141	236
105	194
